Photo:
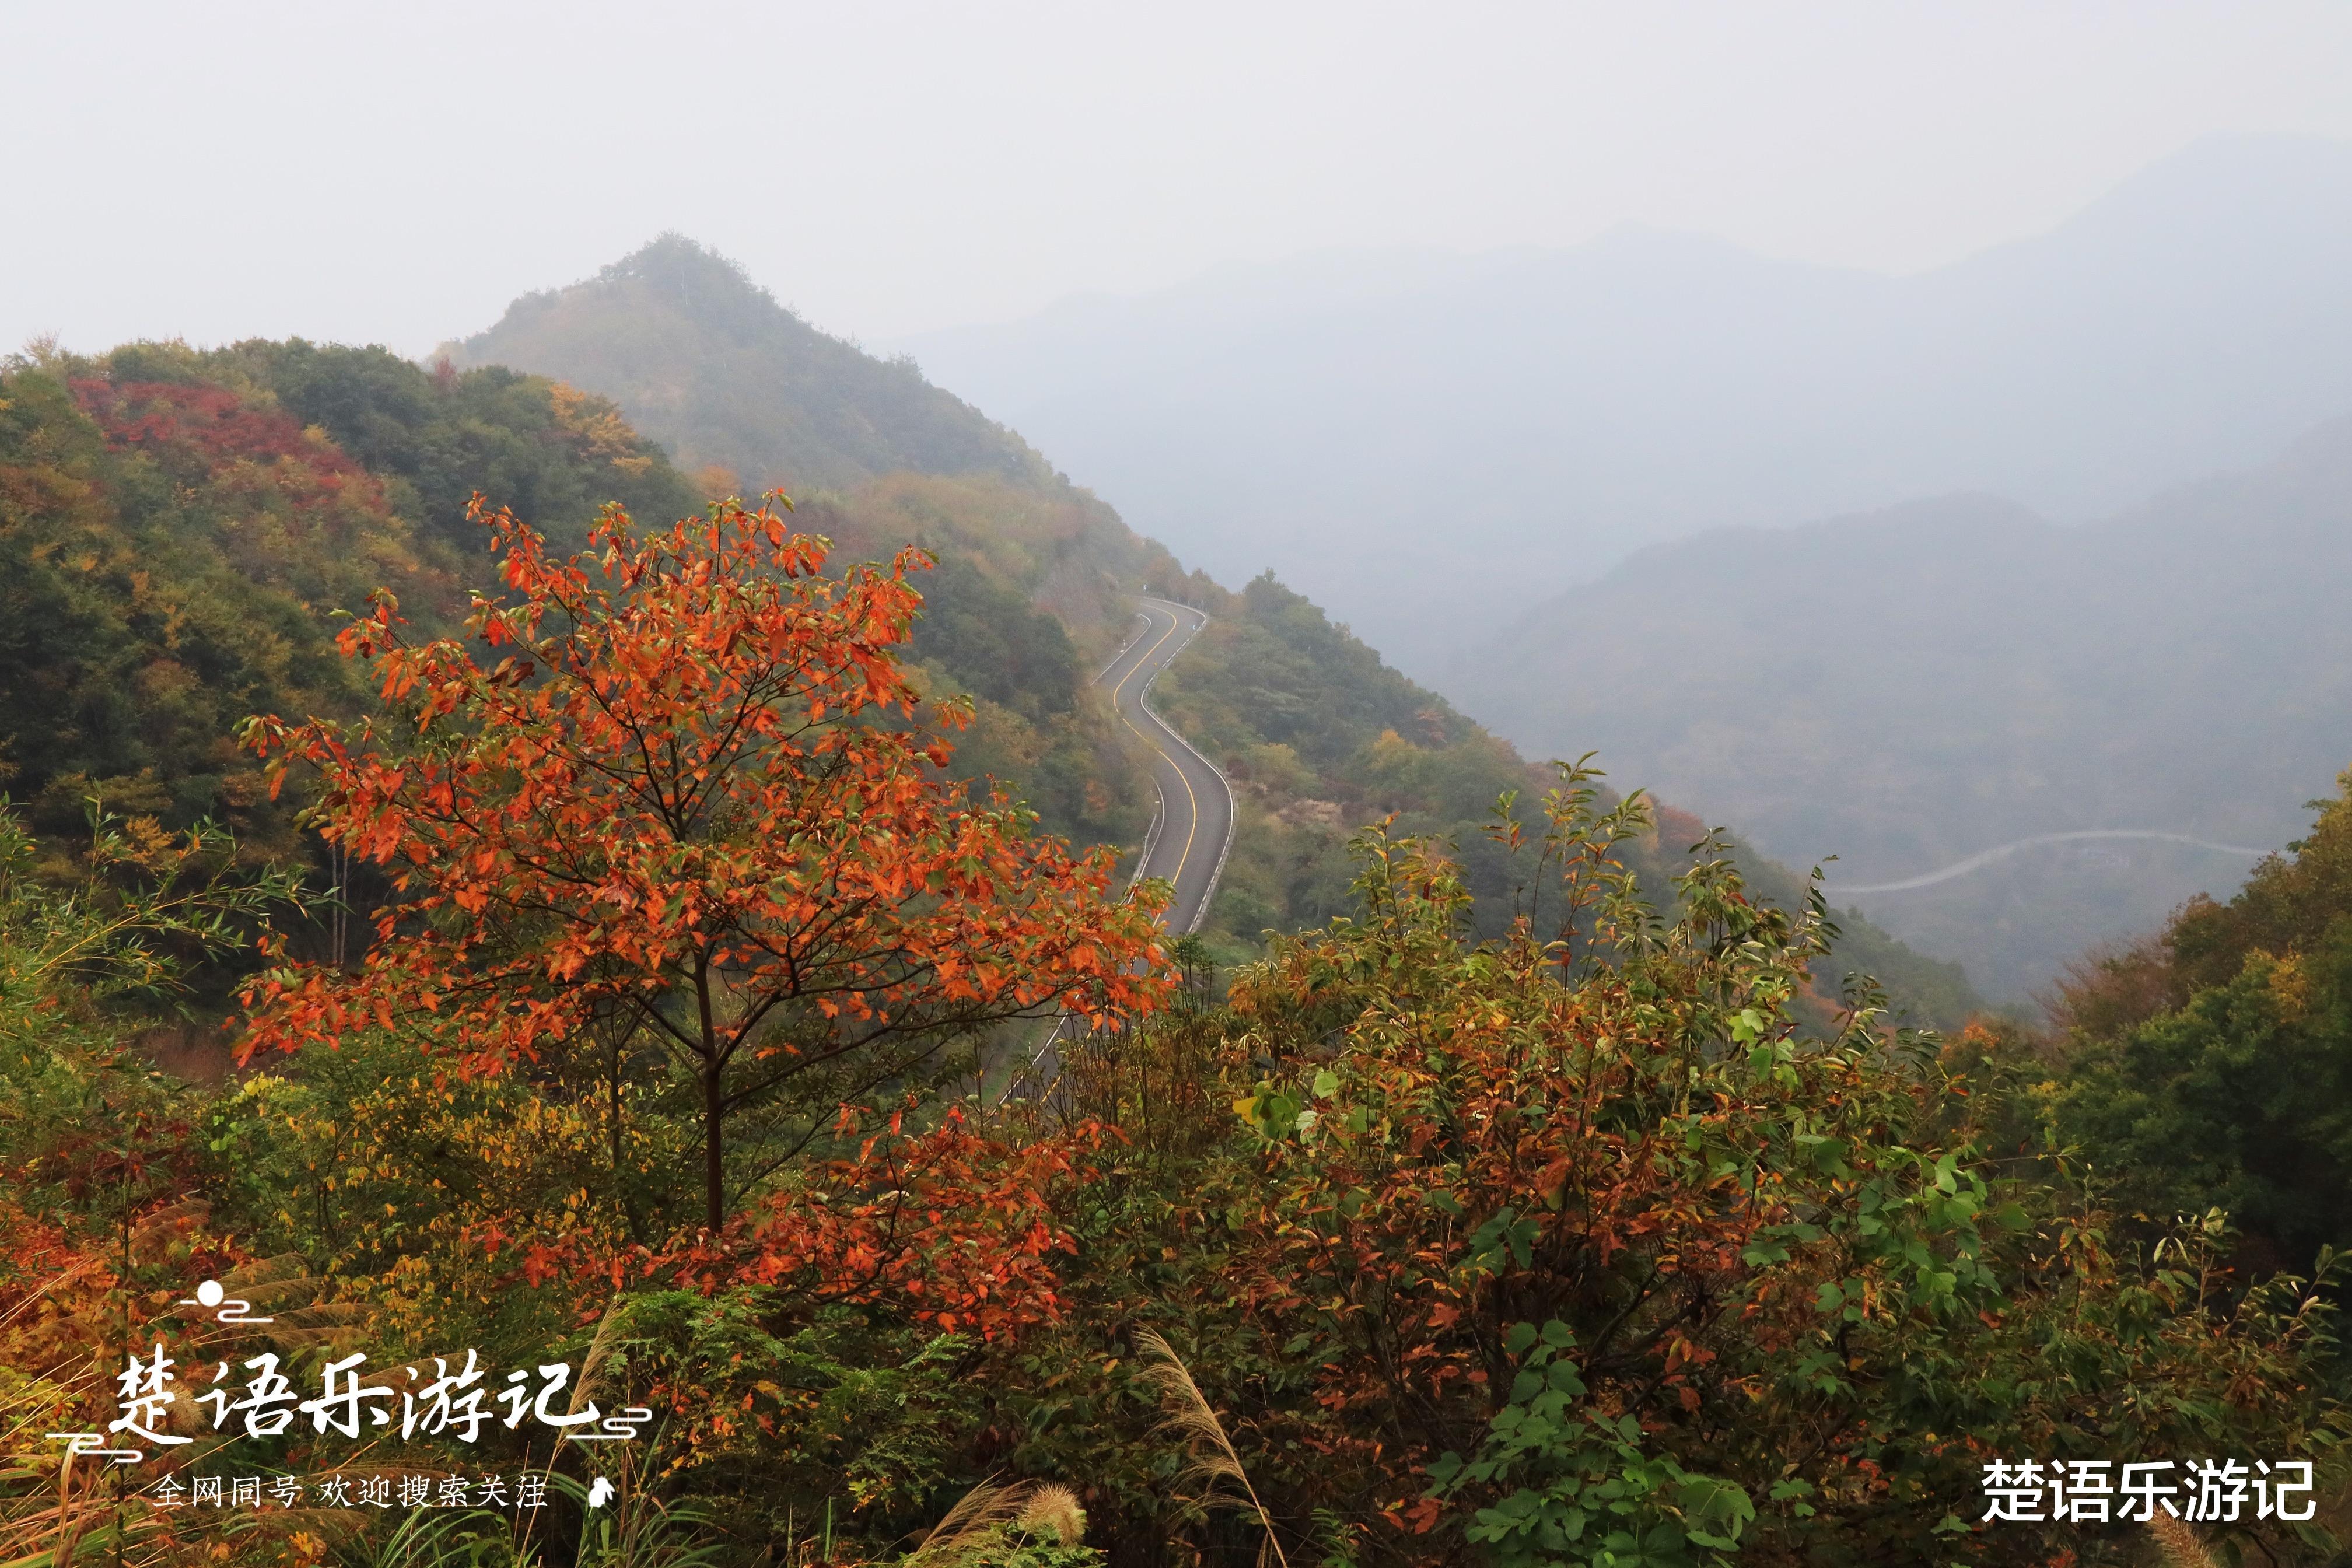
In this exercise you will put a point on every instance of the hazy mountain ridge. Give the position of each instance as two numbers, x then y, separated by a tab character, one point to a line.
1914	685
1506	423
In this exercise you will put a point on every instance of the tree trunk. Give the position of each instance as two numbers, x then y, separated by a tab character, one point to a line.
714	1101
714	1177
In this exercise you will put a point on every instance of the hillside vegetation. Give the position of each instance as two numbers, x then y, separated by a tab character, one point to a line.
179	532
1595	1242
1320	738
2205	1066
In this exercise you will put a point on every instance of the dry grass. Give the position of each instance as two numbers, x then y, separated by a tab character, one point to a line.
2177	1544
599	1347
1034	1507
1053	1509
976	1513
1187	1416
79	1519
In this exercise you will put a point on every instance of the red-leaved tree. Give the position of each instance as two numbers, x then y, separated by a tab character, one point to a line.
688	795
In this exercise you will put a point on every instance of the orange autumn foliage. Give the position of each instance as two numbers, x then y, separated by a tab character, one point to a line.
688	792
957	1224
954	1228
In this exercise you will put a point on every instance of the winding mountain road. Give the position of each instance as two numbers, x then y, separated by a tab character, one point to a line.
1193	829
1979	862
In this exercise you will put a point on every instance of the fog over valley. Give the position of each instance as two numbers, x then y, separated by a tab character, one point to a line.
1426	440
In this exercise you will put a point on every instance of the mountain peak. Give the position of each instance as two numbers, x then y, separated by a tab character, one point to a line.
708	363
679	261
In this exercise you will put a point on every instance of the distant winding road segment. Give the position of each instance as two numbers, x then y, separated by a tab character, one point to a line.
1193	829
1979	862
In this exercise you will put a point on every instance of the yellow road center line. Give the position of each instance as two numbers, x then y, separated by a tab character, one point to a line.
1117	690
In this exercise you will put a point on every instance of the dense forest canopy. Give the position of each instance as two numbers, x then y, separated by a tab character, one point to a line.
183	527
1597	1242
2209	1066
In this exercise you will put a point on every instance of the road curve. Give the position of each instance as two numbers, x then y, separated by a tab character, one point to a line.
1193	828
1977	862
1192	831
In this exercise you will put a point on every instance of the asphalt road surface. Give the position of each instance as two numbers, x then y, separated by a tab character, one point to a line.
1195	823
1193	826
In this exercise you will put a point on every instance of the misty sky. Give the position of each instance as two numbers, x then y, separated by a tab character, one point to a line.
397	174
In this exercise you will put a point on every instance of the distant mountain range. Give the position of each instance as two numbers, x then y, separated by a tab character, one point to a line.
1317	734
1910	687
1431	444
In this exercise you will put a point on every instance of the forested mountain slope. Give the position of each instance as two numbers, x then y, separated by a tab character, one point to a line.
179	532
1318	734
1423	443
2211	1064
179	529
1910	687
